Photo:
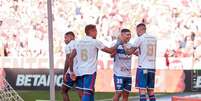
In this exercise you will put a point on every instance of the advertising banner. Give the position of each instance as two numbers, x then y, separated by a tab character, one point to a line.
33	74
39	79
193	80
32	79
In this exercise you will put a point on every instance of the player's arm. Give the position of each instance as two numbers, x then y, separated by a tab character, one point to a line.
136	53
111	50
113	54
130	51
98	44
134	47
66	65
70	61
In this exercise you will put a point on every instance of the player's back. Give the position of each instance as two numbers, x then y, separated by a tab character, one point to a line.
87	52
147	49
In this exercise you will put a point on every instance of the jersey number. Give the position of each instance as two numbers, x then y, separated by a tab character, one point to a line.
151	49
119	81
84	54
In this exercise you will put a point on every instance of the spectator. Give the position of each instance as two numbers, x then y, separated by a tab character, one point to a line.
109	16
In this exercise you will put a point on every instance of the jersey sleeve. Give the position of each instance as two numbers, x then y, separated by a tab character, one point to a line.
99	44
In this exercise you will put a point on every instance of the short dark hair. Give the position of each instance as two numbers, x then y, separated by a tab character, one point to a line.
70	33
89	27
141	25
125	30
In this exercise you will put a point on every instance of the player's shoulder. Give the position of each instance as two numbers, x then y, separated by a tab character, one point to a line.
95	41
66	46
138	39
129	43
72	42
87	39
148	35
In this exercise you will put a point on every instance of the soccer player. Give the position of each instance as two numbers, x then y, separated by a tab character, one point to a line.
67	81
122	68
86	52
145	76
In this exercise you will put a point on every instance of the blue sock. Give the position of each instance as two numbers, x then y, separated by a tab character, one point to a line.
152	98
143	97
86	96
92	97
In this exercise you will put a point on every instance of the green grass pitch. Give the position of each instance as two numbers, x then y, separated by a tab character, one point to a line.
44	95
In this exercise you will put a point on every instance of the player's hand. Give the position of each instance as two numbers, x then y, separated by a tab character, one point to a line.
125	48
113	53
73	76
136	52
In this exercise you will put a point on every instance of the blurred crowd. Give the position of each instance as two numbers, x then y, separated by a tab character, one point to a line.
23	23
